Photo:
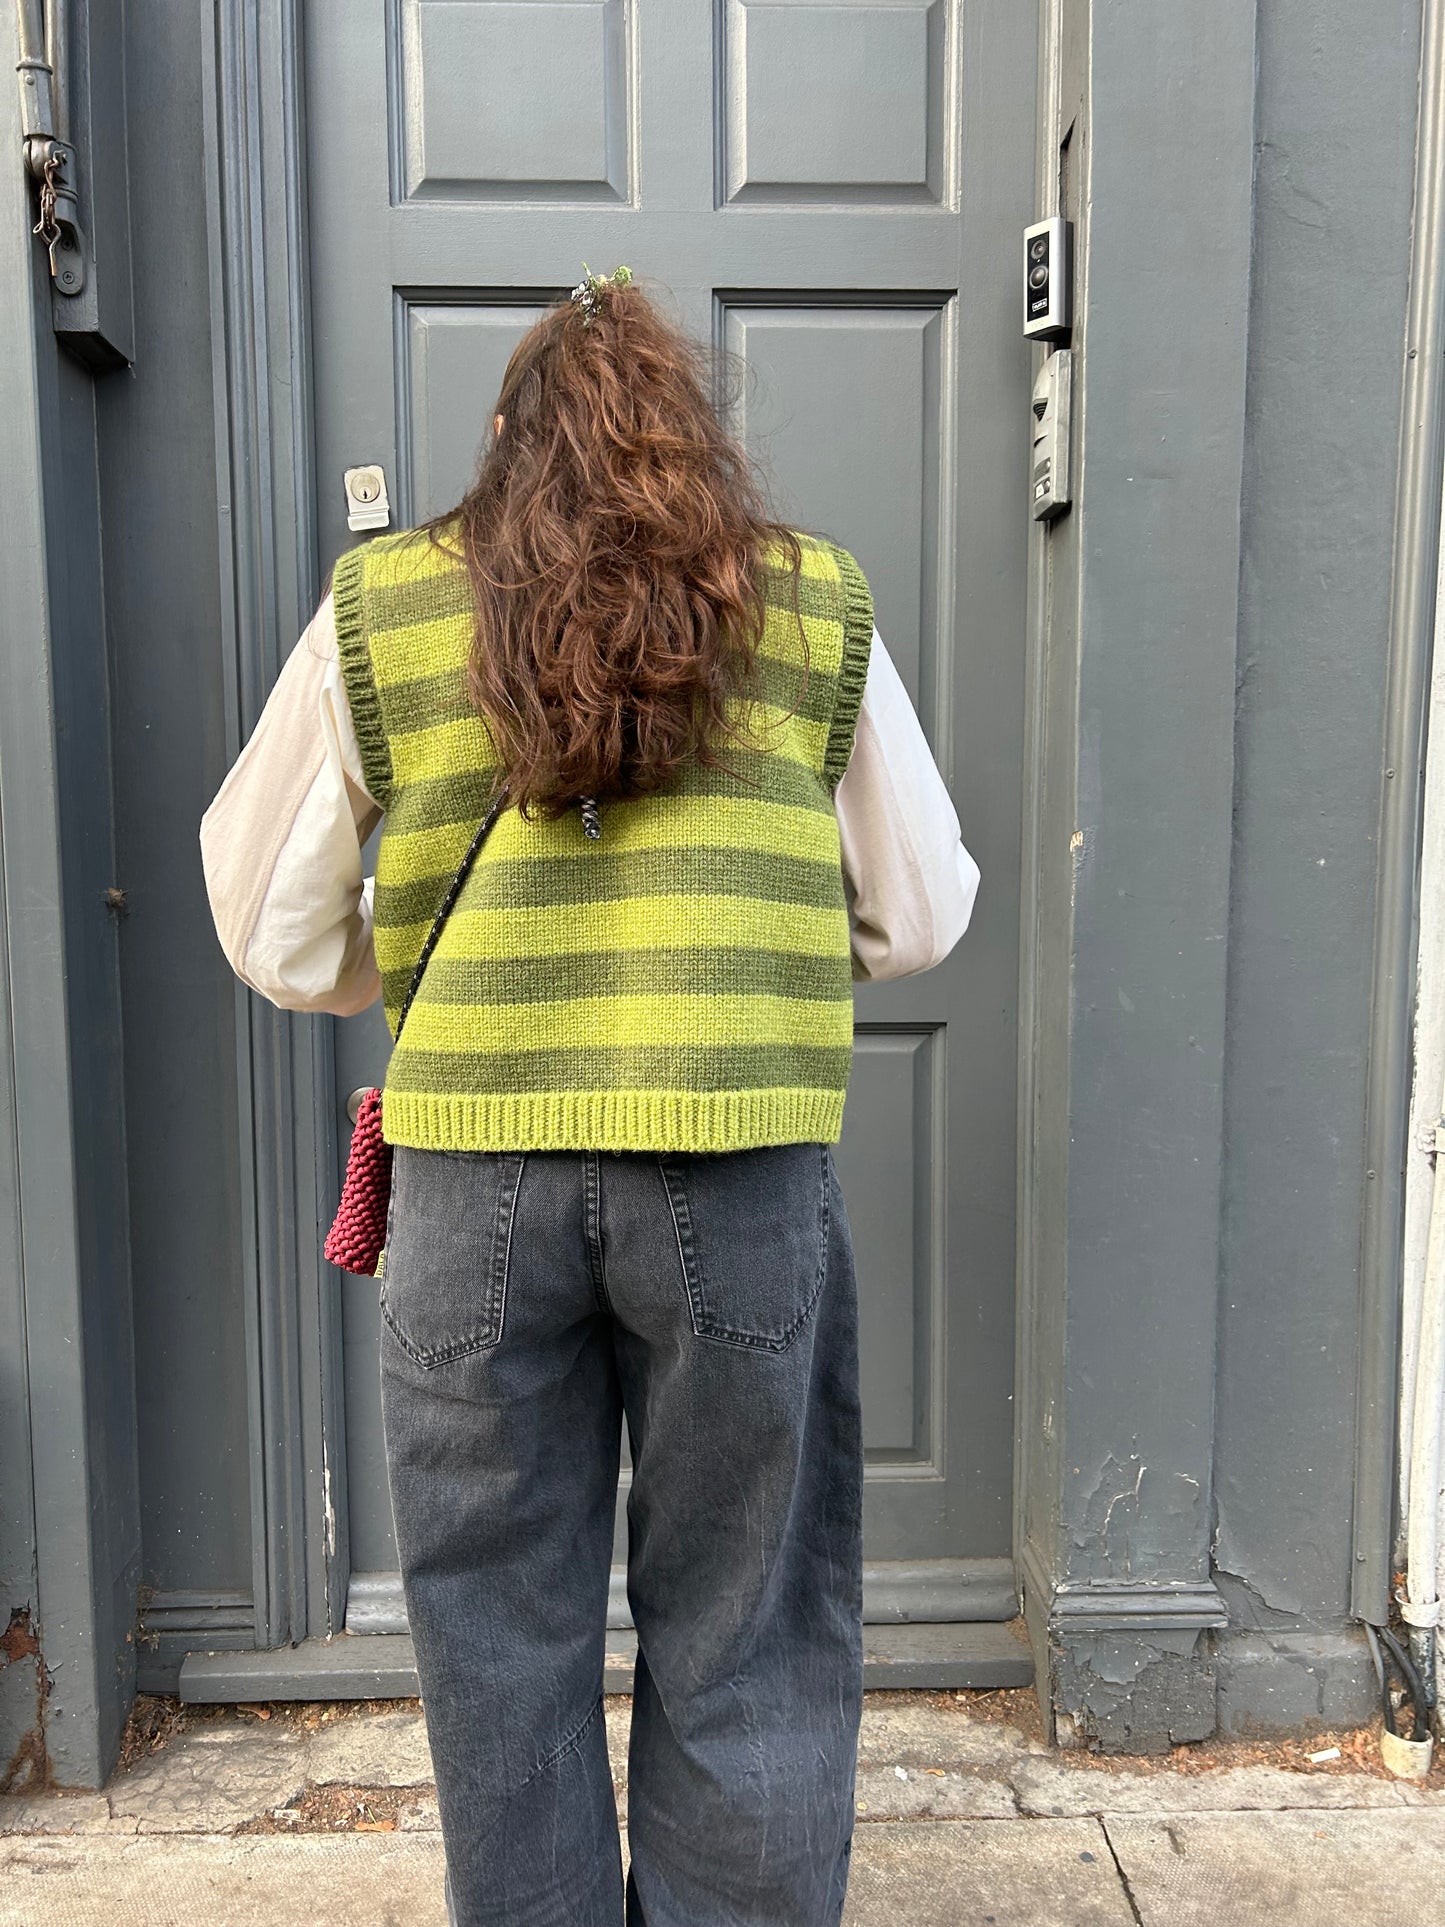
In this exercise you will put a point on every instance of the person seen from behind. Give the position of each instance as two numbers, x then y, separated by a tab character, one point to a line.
612	1108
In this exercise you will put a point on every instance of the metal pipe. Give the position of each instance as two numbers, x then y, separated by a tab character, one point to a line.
1422	1361
37	85
1413	577
1420	1607
31	29
57	53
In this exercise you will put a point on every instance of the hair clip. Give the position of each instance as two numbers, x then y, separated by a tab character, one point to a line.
589	290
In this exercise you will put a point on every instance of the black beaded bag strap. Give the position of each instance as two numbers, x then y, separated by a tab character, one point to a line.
454	890
591	823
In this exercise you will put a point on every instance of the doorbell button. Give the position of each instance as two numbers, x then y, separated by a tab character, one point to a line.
1048	278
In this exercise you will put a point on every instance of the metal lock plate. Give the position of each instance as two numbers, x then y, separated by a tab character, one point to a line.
367	505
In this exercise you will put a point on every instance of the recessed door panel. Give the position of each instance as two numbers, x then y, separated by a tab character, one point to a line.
448	348
513	99
836	100
842	400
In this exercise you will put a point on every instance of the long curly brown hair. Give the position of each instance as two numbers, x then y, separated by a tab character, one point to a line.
614	538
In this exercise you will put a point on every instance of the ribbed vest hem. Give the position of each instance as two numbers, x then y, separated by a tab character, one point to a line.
612	1120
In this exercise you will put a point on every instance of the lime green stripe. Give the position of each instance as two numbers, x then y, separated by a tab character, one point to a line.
655	823
405	558
461	797
714	971
679	1023
462	745
427	646
814	557
598	1067
628	923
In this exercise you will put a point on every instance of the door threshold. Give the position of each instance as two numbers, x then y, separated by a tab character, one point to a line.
977	1653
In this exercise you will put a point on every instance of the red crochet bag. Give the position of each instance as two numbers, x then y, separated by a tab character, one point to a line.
358	1231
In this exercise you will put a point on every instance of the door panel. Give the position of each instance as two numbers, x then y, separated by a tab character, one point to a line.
832	193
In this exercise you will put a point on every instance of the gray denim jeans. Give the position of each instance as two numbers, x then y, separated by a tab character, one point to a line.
531	1302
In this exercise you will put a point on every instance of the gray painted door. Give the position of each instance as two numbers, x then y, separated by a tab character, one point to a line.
834	192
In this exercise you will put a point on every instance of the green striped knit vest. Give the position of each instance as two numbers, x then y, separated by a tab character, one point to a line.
684	982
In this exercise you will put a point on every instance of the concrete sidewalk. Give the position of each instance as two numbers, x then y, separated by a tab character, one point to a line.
325	1816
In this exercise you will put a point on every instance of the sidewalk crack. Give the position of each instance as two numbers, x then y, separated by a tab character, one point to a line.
1138	1918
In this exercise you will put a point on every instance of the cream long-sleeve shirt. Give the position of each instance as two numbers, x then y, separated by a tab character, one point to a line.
281	844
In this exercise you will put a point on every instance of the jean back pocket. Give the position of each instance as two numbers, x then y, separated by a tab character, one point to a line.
448	1250
752	1239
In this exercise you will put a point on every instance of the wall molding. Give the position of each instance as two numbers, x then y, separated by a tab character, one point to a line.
895	1593
1142	1606
201	1617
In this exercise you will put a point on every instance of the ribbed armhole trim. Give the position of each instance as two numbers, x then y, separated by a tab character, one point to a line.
354	657
853	672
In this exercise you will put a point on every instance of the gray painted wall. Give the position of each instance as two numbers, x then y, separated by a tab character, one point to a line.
1135	624
70	1553
1336	150
1203	944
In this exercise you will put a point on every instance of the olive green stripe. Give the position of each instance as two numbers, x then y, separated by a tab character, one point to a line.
458	798
595	876
627	1068
704	971
439	597
431	598
461	797
425	701
817	600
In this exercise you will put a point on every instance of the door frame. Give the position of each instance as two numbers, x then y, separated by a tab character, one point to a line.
257	202
255	191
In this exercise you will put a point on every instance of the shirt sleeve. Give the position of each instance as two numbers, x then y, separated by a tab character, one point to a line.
909	880
281	844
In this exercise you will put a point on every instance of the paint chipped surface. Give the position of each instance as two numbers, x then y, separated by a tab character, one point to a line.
28	1767
1137	1693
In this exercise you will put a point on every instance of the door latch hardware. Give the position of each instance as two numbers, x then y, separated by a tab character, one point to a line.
59	227
367	505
